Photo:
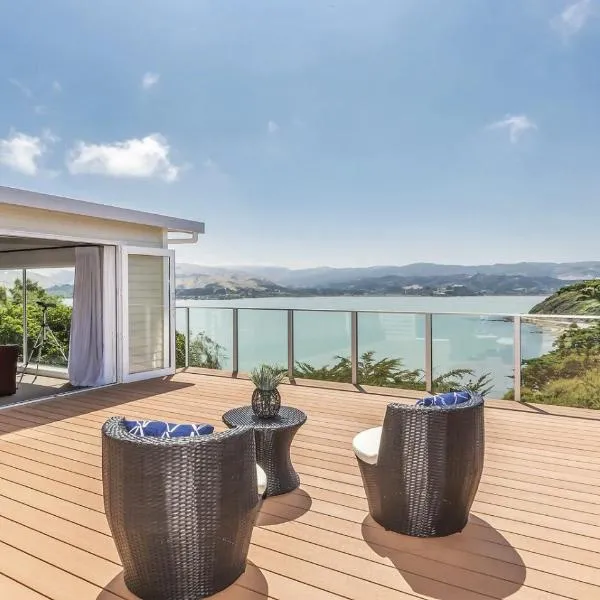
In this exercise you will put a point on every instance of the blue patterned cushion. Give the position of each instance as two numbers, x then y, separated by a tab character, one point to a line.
447	399
161	429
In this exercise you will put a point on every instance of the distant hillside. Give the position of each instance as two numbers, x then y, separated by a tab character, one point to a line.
419	279
327	276
452	285
225	289
47	278
64	291
7	278
442	285
581	298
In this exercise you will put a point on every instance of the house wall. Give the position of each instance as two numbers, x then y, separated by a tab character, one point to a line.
45	223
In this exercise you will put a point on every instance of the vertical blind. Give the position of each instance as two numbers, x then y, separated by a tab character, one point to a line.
147	312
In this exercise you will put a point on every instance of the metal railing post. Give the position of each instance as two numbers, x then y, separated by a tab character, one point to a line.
187	336
517	356
25	332
290	344
428	353
354	346
235	363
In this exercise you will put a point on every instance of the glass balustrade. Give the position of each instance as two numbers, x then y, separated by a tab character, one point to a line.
475	351
560	360
322	342
559	356
210	343
391	350
262	338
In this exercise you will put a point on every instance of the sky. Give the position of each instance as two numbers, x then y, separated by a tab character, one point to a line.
316	132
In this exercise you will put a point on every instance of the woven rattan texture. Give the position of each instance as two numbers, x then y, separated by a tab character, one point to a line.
273	437
428	469
181	511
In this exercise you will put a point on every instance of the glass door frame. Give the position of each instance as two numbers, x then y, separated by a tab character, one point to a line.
124	375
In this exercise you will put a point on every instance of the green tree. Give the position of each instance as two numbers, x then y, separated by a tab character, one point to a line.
204	352
582	298
569	374
390	372
11	319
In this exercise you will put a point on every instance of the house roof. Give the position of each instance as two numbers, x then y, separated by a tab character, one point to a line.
18	197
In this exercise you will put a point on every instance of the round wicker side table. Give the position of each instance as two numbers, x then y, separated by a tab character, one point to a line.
273	437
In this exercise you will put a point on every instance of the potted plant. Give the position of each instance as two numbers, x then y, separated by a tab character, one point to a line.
266	400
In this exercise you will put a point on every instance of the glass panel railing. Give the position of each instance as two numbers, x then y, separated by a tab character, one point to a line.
180	336
262	338
322	346
391	350
560	355
560	361
473	351
211	338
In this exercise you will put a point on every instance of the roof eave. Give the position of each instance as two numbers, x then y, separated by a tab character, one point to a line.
40	201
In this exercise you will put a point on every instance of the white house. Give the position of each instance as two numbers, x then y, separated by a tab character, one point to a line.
124	293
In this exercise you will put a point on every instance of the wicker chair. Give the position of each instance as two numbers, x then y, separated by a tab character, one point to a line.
181	510
421	469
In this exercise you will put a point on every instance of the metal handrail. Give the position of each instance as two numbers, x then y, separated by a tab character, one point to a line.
517	320
401	312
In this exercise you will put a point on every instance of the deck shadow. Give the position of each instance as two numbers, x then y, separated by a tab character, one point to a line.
479	560
69	406
251	585
284	508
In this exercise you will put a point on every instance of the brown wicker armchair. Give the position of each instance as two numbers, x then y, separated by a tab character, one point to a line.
181	510
421	469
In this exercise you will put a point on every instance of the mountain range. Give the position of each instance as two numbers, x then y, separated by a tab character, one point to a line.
47	278
189	275
423	279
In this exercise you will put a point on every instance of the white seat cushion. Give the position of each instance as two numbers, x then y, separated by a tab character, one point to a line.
261	480
366	445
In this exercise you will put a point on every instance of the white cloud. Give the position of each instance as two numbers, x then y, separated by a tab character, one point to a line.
573	18
210	164
142	158
40	109
150	80
516	125
56	87
22	87
272	127
22	152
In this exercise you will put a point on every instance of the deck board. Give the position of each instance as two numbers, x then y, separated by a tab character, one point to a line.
534	531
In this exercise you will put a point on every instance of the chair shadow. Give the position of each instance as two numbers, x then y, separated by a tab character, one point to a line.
284	508
479	559
251	585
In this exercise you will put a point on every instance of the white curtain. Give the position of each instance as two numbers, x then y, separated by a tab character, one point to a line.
86	353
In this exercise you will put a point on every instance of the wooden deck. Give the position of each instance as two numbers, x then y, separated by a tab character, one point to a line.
534	531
